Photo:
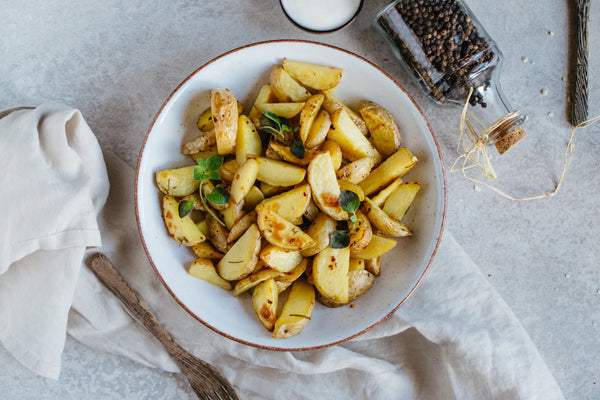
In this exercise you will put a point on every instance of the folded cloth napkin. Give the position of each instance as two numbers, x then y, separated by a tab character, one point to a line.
454	338
54	183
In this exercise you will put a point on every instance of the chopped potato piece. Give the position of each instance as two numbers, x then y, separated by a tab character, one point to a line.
177	182
247	141
241	259
318	77
378	246
325	188
290	204
382	126
204	269
285	88
386	224
265	301
183	230
243	179
225	117
396	166
279	173
253	280
330	273
398	202
353	143
281	232
297	310
280	259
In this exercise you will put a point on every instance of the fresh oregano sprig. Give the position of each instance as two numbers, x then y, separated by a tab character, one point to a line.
208	170
275	125
339	239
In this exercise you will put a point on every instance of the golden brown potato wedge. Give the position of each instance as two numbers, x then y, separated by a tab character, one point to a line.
382	221
385	133
241	258
233	213
225	117
320	230
285	153
318	130
204	142
360	232
359	283
398	202
205	250
396	166
244	179
205	120
297	310
356	264
335	152
228	169
177	182
318	77
253	280
265	95
290	204
378	246
204	269
330	273
280	259
380	198
285	88
285	110
284	280
373	265
279	173
308	115
253	198
311	211
183	230
281	232
265	301
241	226
218	234
332	104
353	143
324	186
247	141
357	171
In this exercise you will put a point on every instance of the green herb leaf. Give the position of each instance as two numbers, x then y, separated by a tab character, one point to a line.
298	150
353	218
214	175
213	163
349	201
200	174
339	240
274	124
219	195
185	207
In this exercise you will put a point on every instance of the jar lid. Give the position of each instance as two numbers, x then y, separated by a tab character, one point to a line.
320	16
510	139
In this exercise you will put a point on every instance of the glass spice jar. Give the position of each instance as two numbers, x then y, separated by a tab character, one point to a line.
446	49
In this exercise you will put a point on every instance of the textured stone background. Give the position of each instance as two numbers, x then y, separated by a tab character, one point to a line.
118	60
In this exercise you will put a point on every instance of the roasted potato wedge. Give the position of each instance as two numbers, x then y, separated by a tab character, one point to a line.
281	232
318	130
253	198
353	143
285	88
285	153
398	202
356	264
265	302
205	250
253	280
247	141
380	198
357	171
233	213
241	258
285	110
225	117
360	231
320	230
203	142
284	280
183	230
280	259
265	95
308	115
396	166
378	246
385	133
244	179
205	120
241	226
359	283
332	104
290	204
177	182
218	234
279	173
330	273
297	310
335	152
382	221
318	77
204	269
373	265
324	186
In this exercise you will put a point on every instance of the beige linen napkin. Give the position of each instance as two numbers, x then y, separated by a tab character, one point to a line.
454	338
54	183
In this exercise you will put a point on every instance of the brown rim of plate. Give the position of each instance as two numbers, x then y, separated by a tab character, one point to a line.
438	239
352	18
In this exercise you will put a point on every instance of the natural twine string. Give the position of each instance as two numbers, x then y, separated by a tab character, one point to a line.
475	152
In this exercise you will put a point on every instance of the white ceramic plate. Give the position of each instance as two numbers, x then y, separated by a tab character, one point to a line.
244	71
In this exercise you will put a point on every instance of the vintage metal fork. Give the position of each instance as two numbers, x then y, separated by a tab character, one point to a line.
206	380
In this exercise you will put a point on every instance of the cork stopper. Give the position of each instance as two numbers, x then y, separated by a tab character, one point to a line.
510	139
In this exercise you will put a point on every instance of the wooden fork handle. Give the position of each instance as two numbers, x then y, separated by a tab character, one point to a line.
580	91
113	280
